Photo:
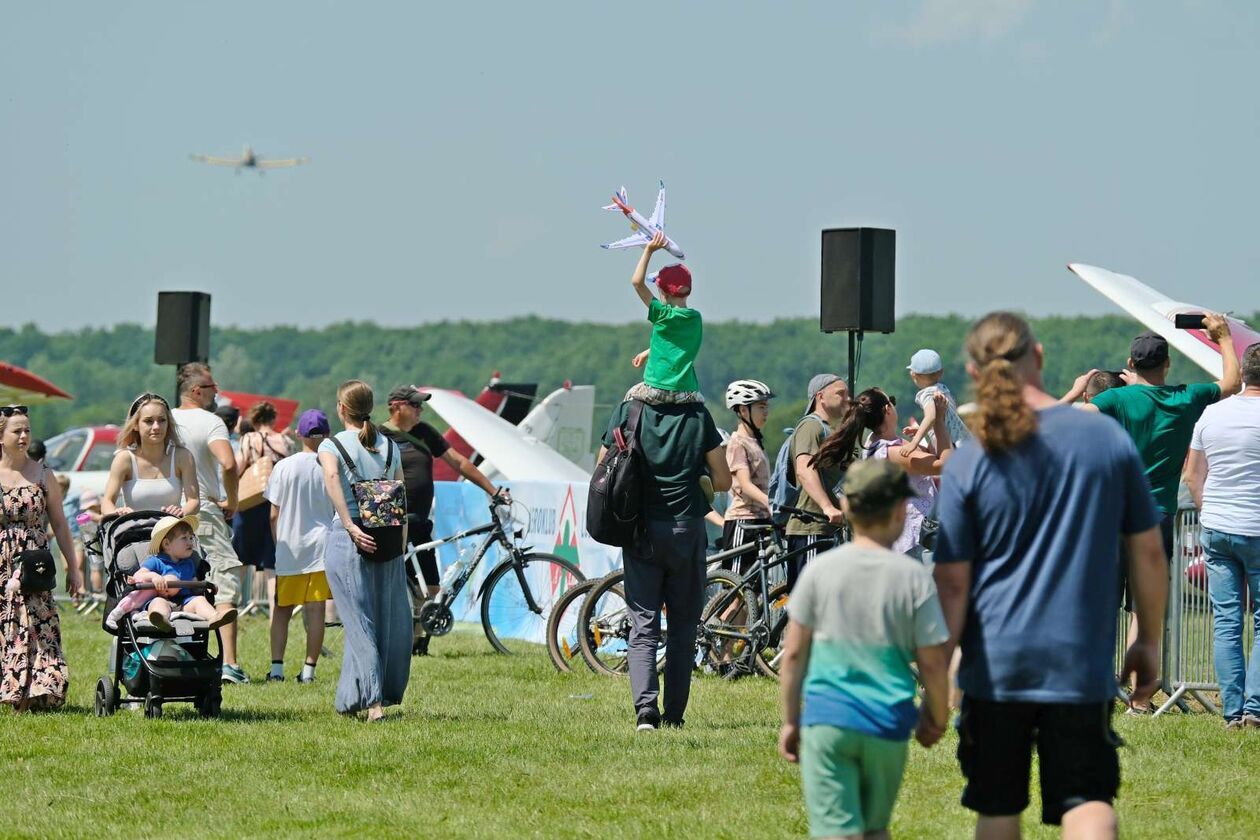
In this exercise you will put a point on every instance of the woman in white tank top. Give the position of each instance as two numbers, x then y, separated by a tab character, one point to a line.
150	469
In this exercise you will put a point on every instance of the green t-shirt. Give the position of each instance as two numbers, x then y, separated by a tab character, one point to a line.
676	335
674	440
1160	419
808	438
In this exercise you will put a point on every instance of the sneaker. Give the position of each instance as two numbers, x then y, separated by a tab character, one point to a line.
649	720
420	647
160	622
233	674
667	723
1235	724
306	680
1251	721
272	677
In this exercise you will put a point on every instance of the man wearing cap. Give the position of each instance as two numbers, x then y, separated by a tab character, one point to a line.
1160	417
301	516
827	400
418	444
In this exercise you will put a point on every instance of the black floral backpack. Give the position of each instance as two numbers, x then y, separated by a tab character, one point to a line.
382	505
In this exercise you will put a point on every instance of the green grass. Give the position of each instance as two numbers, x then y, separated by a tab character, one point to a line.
488	746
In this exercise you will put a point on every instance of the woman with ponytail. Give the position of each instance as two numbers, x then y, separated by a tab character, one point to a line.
876	412
1028	569
370	592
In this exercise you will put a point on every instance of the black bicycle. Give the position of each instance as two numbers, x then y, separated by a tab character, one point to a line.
744	623
517	595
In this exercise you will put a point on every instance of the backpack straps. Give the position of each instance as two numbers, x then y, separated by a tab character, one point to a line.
345	456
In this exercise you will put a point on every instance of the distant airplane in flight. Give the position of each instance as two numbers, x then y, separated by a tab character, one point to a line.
249	160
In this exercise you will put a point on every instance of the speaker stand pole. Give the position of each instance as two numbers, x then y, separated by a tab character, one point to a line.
855	344
178	368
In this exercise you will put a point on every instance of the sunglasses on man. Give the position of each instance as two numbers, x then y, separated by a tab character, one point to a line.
10	410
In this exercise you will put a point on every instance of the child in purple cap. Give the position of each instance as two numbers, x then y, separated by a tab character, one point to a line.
301	515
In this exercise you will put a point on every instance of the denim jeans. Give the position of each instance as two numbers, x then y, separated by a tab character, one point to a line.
1233	568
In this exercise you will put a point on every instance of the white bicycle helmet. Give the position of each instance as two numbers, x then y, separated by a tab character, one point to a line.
747	392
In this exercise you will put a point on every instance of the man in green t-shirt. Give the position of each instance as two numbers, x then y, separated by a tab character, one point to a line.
1160	417
665	570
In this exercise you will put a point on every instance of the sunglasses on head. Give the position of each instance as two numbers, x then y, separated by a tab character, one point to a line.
10	410
144	398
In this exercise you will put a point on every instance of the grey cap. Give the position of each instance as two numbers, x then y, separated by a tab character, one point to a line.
816	384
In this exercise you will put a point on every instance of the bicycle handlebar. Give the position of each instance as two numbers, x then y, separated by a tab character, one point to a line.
806	515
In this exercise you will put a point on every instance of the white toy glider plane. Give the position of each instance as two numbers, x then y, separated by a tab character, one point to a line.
644	229
1156	312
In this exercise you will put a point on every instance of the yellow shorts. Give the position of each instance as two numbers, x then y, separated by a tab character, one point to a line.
293	590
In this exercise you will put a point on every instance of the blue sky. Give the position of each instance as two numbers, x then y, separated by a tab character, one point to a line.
460	153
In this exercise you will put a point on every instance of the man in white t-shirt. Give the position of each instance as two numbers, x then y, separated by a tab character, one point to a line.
301	515
1223	472
202	432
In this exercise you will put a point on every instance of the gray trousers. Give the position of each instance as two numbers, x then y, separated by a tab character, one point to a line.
372	603
669	573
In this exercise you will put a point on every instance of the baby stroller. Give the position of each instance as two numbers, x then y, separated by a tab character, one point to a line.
153	665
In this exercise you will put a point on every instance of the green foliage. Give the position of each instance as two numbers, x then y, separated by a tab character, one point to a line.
106	368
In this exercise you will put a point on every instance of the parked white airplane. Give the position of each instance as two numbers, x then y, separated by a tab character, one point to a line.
249	160
1156	312
514	453
644	229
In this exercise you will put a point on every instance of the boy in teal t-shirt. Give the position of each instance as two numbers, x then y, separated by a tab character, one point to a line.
677	330
860	614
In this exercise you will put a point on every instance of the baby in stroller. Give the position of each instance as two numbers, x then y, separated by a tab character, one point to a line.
172	557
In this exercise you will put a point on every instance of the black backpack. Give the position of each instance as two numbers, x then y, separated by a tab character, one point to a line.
614	503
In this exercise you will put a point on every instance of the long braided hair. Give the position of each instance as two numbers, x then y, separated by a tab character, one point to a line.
995	344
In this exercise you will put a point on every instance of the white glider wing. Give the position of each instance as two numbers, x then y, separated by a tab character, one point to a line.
630	241
515	455
281	164
218	161
1156	312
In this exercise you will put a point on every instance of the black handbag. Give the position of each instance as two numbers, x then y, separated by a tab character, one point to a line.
37	571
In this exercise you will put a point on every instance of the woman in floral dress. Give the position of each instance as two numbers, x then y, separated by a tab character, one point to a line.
33	671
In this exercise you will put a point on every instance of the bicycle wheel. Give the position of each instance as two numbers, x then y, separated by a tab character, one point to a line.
606	621
510	624
768	656
729	617
562	627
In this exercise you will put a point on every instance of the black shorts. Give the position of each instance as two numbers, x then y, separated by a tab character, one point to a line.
1165	531
735	533
420	531
1076	750
251	537
796	564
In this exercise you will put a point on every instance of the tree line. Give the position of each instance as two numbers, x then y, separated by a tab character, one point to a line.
104	368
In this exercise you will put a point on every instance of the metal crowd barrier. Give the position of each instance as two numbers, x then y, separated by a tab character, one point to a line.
1189	666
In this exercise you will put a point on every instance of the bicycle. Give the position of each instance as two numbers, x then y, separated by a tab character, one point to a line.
517	595
603	613
743	625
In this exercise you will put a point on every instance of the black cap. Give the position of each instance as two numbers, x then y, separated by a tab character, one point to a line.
1148	350
409	394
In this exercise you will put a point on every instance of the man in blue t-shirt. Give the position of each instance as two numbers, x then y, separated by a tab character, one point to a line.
1027	560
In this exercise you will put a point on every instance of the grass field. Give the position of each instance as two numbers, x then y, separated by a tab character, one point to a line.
487	746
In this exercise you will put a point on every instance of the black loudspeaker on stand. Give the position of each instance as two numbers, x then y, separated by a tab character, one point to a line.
183	329
858	286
